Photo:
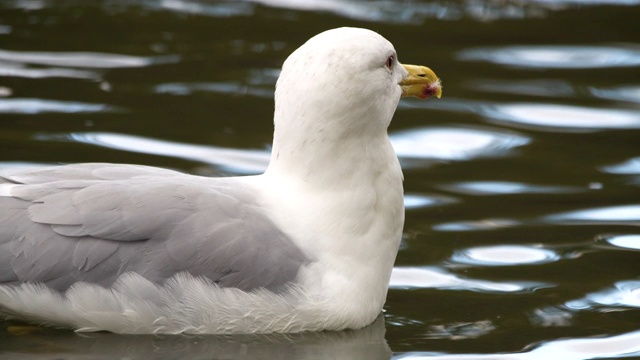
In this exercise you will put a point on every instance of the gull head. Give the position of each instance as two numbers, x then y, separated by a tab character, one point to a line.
334	101
347	81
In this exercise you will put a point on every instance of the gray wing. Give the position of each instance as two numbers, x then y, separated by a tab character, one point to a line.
94	222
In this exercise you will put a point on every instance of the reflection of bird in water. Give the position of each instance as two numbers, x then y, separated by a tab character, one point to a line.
308	245
40	343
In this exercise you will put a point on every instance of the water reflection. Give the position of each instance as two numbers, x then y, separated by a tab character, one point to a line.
540	116
453	143
235	88
23	71
460	330
37	106
235	160
41	343
629	241
207	8
476	225
398	11
622	294
620	346
89	60
548	117
620	93
393	11
403	12
419	201
556	57
534	87
258	82
537	87
631	166
505	188
552	316
615	214
504	255
436	277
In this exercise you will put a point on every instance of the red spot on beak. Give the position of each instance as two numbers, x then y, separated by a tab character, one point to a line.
428	91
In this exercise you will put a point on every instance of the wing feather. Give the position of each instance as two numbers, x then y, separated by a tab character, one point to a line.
94	222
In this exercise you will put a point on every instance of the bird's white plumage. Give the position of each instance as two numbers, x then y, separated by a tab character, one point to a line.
333	187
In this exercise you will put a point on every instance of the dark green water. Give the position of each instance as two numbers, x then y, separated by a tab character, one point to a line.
522	183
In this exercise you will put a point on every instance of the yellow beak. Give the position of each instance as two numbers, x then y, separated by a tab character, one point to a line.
421	82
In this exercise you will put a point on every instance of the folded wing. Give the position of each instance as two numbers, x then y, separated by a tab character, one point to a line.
94	222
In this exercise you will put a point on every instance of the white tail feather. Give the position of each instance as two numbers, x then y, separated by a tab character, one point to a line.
184	304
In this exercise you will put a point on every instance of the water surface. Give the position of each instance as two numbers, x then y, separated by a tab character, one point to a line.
522	237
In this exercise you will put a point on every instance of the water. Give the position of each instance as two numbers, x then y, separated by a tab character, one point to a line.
522	237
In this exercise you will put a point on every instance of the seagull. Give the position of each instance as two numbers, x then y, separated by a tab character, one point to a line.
307	246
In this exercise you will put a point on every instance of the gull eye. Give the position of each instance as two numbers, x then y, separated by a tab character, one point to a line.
389	62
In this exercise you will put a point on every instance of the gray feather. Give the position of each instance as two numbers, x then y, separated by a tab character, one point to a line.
94	222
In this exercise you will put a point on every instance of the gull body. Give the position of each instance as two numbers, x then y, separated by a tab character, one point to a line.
308	245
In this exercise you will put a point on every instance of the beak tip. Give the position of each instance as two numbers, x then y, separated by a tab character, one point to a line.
432	90
439	91
420	82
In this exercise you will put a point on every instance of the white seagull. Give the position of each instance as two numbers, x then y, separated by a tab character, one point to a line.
309	245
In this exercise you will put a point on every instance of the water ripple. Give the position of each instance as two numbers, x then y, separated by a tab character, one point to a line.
539	116
9	69
234	88
548	117
505	188
416	12
213	9
538	87
620	93
378	11
504	255
477	225
460	330
236	160
91	60
556	57
551	316
631	166
419	201
433	277
625	345
258	82
624	293
454	144
37	106
628	241
622	213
